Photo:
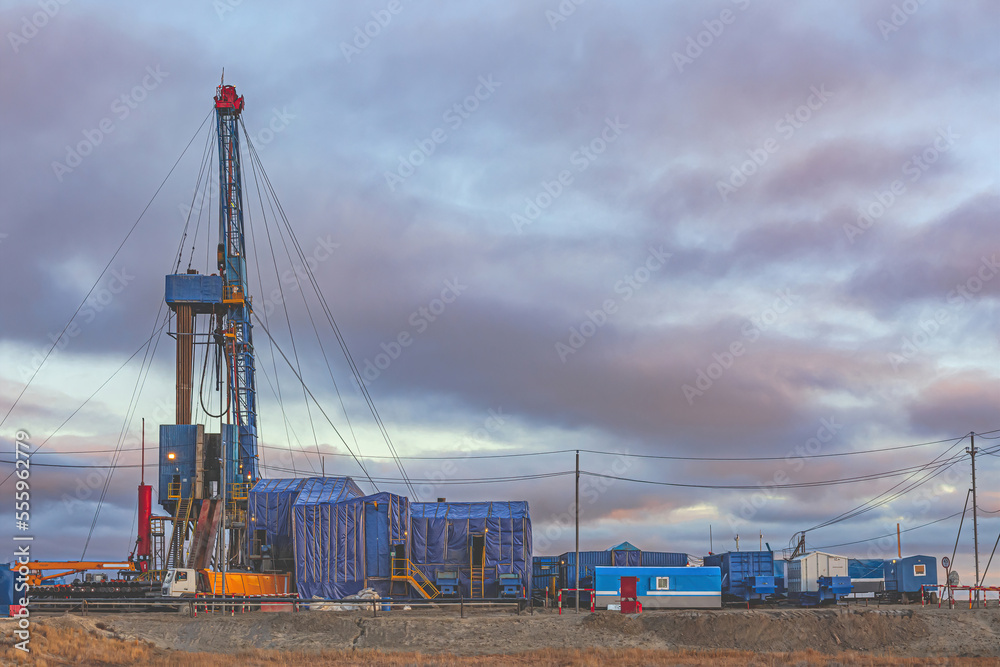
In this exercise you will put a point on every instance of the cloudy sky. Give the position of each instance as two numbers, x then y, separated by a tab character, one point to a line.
723	230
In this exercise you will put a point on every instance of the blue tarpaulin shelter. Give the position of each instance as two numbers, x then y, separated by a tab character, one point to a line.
342	546
270	504
451	535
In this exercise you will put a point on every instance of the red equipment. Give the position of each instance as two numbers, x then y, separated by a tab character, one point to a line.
630	599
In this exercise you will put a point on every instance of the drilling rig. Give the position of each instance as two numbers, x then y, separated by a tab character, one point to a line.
204	477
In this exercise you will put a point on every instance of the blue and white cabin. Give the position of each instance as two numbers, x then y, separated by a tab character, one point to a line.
904	576
668	587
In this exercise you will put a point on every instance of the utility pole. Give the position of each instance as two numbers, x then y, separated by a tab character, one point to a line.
975	523
576	505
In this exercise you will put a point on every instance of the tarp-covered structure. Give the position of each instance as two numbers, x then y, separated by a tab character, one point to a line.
269	504
454	536
345	545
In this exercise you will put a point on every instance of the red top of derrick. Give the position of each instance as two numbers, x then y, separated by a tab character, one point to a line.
226	99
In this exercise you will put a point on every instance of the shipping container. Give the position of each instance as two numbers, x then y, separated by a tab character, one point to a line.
746	575
544	574
802	574
663	587
613	557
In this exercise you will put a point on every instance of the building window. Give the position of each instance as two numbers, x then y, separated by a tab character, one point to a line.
663	583
919	570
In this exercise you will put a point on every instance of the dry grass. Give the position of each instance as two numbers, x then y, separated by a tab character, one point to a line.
70	646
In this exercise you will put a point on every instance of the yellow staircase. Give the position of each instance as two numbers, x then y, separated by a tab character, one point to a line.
179	535
476	574
404	570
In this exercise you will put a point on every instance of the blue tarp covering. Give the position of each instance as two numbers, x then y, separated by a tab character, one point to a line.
864	568
441	537
344	546
270	505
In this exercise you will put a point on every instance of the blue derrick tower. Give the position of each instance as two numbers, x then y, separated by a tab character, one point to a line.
236	328
198	469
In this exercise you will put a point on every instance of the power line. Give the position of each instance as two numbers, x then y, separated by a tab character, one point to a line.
793	485
98	280
892	534
989	452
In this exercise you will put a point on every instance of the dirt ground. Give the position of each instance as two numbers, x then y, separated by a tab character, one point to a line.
898	631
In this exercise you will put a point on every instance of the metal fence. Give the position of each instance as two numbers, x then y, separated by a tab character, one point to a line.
233	605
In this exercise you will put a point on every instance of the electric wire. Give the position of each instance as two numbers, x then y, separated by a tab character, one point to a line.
872	539
98	280
526	454
316	401
330	318
81	406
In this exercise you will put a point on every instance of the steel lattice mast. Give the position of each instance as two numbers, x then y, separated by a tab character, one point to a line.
236	327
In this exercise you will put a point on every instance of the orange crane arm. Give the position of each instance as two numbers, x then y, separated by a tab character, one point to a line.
37	567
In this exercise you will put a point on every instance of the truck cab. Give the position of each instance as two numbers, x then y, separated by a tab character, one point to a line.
180	582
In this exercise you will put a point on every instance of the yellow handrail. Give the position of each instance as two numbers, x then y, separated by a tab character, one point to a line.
402	568
174	490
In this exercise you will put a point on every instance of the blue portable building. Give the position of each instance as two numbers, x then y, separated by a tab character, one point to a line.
269	507
189	457
904	576
676	587
482	540
746	575
345	545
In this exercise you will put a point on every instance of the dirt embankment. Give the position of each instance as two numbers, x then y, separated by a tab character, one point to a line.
904	632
